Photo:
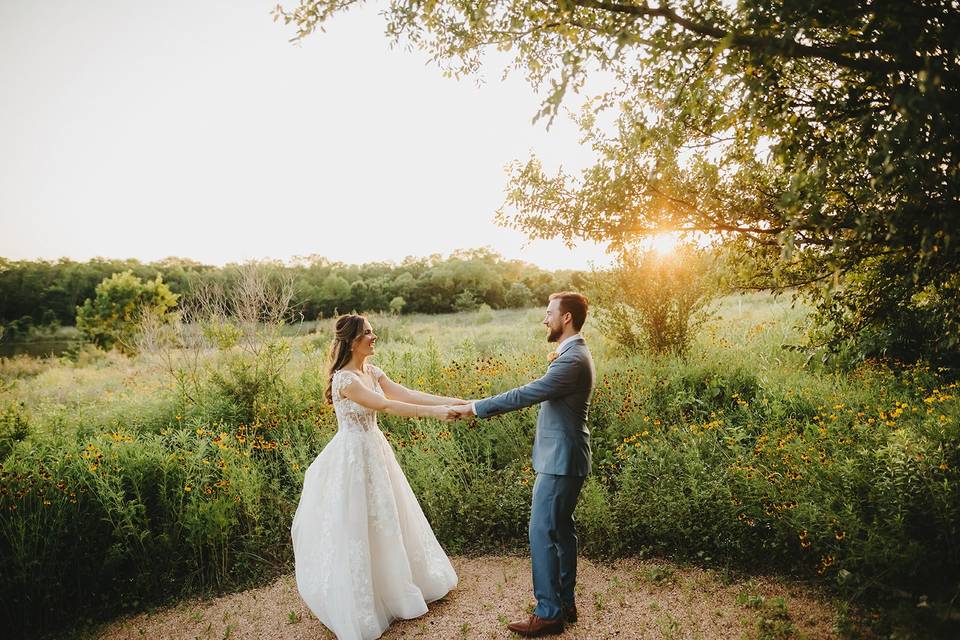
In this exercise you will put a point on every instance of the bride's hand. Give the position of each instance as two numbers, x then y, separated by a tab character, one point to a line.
440	412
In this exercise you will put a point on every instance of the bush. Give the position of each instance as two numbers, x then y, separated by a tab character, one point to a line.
14	427
654	302
113	317
120	519
466	301
855	324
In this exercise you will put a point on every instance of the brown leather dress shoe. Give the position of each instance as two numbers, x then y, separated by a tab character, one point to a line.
537	626
570	613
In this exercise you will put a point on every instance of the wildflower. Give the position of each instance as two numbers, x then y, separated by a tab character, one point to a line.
187	489
840	535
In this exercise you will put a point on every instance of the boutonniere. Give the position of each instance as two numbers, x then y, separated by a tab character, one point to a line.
553	356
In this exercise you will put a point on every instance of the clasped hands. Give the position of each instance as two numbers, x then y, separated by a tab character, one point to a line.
462	409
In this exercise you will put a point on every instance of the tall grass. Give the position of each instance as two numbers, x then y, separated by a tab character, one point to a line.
116	492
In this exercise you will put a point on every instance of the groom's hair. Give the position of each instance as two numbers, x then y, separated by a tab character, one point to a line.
573	303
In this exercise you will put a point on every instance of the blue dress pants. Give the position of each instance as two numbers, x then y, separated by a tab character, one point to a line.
553	542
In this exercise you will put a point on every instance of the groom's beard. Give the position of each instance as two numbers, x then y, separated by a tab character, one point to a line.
555	333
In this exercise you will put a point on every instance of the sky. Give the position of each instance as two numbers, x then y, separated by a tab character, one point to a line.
135	129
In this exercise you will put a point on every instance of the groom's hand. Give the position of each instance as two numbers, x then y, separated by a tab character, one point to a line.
461	411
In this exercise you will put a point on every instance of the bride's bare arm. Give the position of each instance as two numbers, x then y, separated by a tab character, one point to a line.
363	396
396	391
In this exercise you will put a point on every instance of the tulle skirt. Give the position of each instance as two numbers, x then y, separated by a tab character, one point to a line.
365	554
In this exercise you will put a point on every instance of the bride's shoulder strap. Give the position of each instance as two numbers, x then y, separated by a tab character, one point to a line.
341	380
375	371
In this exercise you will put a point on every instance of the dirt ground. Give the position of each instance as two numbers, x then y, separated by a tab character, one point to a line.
627	599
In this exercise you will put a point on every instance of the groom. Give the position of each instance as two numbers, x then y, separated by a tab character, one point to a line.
561	458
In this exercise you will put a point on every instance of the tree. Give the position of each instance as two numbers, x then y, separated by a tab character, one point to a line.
112	318
336	294
820	138
519	295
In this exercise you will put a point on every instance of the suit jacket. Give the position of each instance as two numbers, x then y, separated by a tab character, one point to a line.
562	442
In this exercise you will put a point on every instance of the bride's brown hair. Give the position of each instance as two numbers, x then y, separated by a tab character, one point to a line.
348	328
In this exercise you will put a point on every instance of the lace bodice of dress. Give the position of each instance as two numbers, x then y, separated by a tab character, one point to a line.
352	417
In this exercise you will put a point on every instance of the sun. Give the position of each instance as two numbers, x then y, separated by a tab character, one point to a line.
664	243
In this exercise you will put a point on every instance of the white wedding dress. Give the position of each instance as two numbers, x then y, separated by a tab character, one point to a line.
365	554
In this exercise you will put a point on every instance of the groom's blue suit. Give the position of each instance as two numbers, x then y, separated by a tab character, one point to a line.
561	458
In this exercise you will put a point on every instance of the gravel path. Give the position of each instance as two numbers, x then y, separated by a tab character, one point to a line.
627	599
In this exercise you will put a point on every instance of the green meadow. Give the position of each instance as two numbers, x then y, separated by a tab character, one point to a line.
124	484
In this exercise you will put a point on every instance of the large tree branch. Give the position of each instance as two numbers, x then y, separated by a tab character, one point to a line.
788	48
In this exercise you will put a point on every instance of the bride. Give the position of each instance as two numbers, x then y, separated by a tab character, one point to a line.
365	555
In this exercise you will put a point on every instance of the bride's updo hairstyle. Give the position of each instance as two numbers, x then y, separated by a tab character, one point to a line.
348	328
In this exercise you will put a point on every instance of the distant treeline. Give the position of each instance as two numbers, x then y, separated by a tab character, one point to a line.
44	293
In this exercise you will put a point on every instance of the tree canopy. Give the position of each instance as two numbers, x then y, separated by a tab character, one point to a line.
42	293
817	138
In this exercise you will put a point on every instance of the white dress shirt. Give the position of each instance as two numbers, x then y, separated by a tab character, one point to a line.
573	337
